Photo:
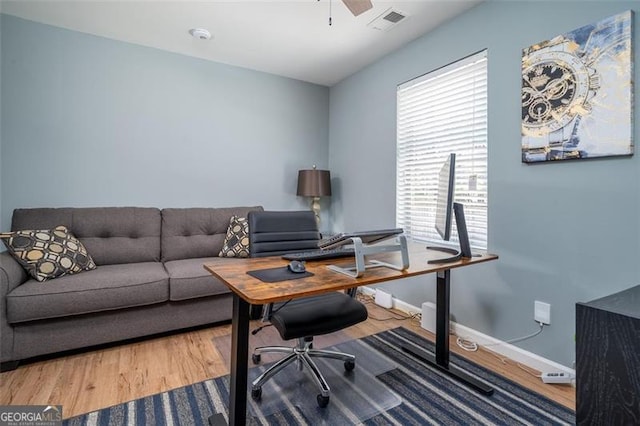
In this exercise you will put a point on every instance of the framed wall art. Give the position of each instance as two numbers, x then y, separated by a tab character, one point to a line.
577	93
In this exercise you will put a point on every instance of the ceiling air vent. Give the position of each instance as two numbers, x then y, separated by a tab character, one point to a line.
389	19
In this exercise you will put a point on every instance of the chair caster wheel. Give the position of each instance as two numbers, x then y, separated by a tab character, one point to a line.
323	401
256	393
349	365
255	358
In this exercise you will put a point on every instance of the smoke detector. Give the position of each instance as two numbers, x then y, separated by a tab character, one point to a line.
200	33
387	20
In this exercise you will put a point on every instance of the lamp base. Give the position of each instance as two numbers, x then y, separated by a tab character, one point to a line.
315	207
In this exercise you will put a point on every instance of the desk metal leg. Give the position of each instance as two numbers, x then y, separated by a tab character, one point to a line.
443	300
441	359
239	359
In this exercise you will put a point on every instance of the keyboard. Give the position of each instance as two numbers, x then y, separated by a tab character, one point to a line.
320	254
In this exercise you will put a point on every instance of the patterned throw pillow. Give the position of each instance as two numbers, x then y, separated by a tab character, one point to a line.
236	243
47	254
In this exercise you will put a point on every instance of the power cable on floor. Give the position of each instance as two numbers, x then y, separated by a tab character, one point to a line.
471	346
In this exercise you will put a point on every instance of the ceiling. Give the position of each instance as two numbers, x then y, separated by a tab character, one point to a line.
289	38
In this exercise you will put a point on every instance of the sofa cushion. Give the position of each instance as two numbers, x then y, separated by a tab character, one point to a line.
236	243
196	232
113	235
188	279
108	287
48	253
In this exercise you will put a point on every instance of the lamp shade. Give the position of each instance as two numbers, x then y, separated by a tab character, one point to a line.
314	183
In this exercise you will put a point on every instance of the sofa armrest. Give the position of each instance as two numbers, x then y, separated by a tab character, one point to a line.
11	276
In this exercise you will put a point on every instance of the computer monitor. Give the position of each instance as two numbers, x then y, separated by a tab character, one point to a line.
444	202
446	208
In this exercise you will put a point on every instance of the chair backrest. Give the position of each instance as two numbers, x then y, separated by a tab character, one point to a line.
275	233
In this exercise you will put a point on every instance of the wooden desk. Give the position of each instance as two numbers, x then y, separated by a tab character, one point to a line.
248	290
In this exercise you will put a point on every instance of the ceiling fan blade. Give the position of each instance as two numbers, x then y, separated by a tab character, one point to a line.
358	6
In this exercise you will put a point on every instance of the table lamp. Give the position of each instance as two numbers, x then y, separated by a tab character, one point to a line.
314	183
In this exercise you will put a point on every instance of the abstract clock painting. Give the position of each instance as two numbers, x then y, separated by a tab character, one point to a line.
577	93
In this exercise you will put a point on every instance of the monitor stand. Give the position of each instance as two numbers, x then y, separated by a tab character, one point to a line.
463	238
457	255
361	250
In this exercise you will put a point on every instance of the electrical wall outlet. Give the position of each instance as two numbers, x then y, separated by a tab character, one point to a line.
542	312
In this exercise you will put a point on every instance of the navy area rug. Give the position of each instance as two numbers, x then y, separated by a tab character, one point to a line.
425	396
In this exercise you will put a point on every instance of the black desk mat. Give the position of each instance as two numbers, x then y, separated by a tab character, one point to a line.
274	275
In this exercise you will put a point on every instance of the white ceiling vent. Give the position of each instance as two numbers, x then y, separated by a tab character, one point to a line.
389	19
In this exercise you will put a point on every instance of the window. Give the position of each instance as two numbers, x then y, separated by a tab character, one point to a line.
442	112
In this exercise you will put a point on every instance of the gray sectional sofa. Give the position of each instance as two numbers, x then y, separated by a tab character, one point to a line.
149	279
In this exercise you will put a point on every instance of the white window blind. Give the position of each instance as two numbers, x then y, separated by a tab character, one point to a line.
439	113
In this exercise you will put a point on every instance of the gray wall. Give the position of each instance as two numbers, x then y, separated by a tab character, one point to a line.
565	232
1	215
88	121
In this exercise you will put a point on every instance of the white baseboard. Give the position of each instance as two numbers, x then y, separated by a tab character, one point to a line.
507	350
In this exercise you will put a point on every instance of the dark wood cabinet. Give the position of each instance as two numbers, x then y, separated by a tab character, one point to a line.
608	360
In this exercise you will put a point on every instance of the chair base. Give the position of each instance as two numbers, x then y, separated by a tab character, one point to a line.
302	354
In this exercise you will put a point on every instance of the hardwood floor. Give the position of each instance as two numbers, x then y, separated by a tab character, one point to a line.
101	378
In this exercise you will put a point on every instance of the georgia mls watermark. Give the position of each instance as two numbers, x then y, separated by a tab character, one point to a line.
30	415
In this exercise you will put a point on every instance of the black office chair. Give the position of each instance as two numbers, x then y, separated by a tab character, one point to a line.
277	233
